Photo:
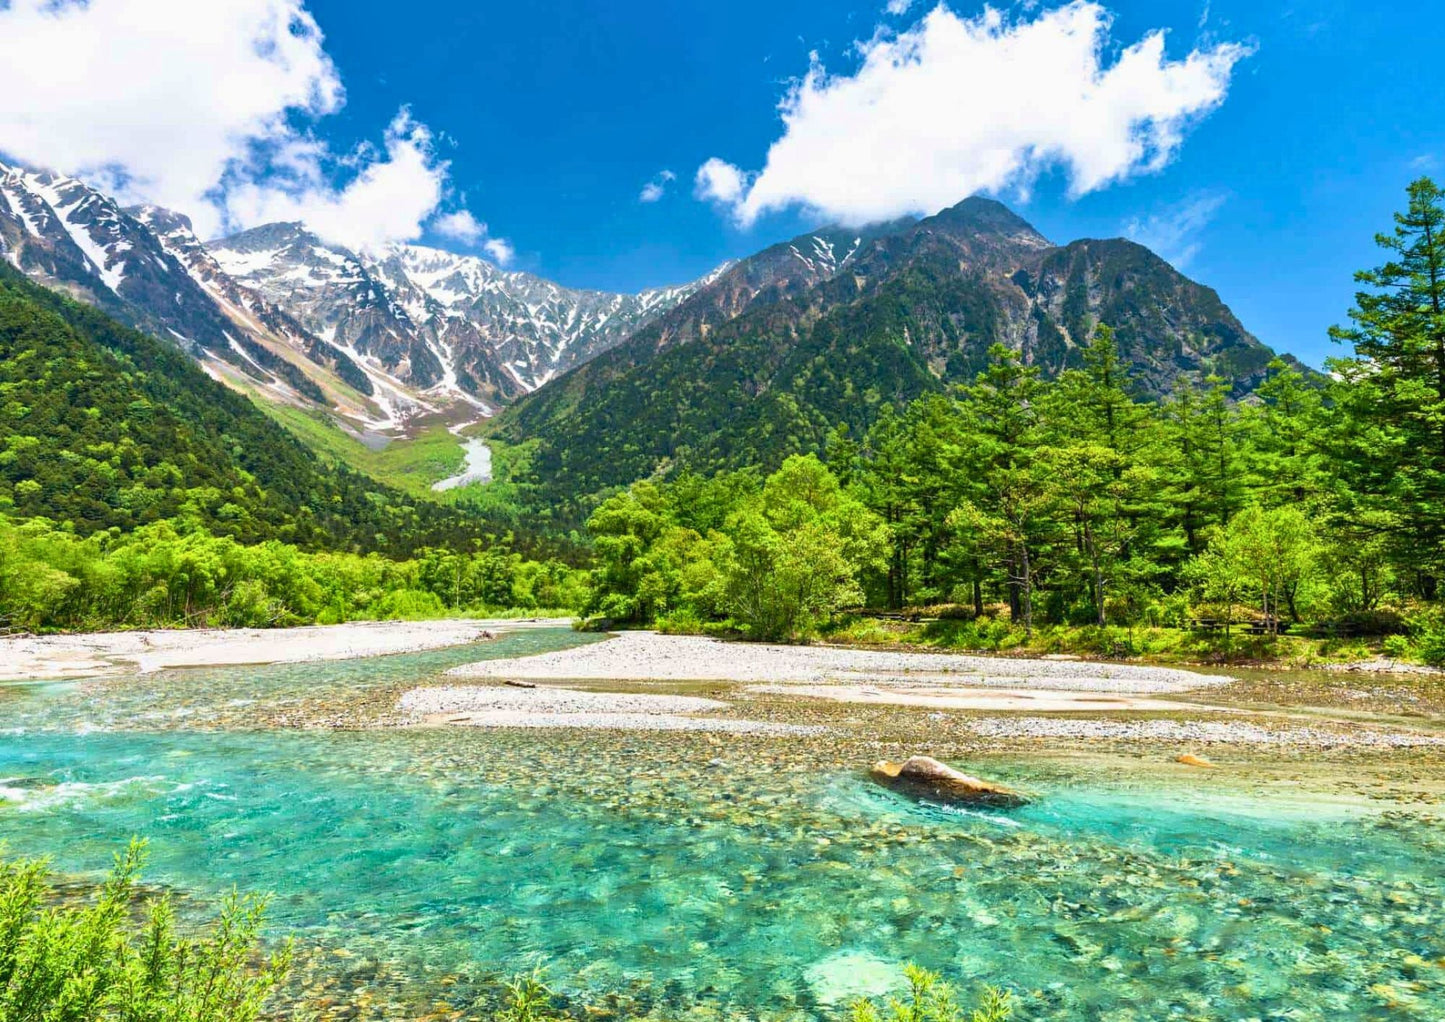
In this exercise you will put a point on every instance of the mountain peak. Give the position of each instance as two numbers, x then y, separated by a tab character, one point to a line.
978	214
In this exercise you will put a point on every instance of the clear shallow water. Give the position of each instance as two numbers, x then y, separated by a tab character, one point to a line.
693	877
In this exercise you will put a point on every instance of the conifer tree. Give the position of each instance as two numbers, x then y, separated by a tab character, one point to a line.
1390	439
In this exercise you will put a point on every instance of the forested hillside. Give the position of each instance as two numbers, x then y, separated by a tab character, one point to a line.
1075	503
909	309
104	427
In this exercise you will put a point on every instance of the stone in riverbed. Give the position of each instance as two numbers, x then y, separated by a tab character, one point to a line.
1189	759
923	777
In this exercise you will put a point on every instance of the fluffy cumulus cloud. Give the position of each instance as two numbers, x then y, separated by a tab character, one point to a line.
953	106
207	108
719	181
1174	231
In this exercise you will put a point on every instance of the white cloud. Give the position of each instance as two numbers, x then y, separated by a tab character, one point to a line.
955	106
387	200
899	6
204	106
460	226
657	187
719	181
500	249
1173	232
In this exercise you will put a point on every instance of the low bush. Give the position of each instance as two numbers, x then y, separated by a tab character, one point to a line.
88	963
929	999
1427	635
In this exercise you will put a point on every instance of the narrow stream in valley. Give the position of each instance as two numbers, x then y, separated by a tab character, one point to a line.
476	467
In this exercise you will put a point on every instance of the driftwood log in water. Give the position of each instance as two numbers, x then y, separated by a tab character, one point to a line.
927	778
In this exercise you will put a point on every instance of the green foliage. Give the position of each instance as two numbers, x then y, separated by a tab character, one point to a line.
104	427
162	575
1264	555
930	999
1388	442
529	999
1427	637
78	963
777	560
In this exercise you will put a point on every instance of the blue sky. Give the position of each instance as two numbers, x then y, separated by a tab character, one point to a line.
552	116
561	111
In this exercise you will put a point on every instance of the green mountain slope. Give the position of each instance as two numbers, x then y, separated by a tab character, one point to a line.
763	362
102	426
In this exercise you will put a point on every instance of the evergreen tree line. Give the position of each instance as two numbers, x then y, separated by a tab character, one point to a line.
1315	501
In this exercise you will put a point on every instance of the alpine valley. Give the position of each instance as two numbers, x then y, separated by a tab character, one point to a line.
752	362
379	340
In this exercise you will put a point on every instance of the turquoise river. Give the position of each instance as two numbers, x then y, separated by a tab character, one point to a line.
702	877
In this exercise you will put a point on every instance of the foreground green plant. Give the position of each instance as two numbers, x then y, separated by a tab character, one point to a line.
77	963
930	999
529	998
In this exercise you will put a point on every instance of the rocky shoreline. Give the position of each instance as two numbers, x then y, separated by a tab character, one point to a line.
925	697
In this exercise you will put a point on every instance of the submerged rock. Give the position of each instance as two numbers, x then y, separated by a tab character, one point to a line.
849	975
923	777
1189	759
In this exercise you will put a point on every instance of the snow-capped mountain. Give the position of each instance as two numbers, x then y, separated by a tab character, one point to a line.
145	266
379	338
434	318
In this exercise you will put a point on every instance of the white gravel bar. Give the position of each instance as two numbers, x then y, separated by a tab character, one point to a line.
93	654
648	656
547	707
469	699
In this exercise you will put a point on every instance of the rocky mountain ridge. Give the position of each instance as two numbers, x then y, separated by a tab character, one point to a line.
781	347
377	339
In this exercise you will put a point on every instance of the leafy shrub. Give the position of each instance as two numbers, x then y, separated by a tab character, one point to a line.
1427	629
83	963
1397	647
1370	622
929	999
683	621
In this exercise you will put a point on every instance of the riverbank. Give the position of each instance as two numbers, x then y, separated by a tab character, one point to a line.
1149	645
923	700
649	656
99	654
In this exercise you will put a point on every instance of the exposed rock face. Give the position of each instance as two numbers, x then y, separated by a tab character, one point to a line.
923	777
440	322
